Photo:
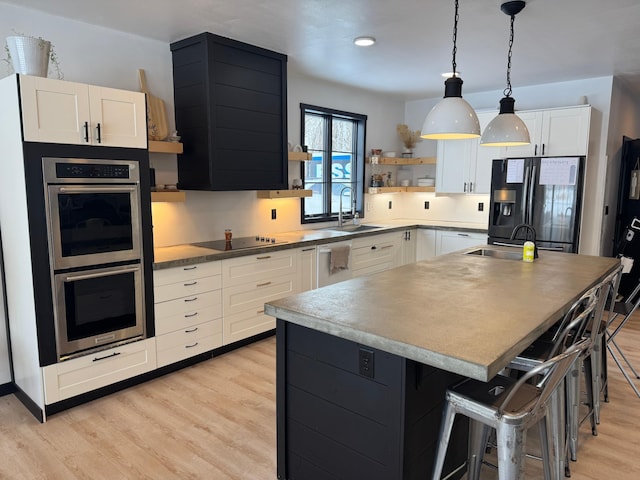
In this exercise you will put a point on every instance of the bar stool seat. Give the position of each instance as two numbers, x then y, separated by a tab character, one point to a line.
510	407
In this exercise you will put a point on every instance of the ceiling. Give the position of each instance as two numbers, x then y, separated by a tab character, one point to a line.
555	40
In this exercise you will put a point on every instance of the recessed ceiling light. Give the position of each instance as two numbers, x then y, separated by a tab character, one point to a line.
364	41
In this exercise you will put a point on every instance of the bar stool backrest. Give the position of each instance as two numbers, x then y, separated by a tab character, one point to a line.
554	370
576	321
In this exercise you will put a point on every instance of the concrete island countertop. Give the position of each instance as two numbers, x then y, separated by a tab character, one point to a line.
189	254
466	314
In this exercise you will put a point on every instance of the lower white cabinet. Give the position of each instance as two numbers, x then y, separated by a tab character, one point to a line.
448	241
408	242
83	374
248	283
375	253
188	311
425	244
307	269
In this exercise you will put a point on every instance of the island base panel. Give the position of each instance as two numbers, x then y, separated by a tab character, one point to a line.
336	420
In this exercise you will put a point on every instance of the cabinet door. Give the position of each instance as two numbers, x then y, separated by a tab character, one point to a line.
426	244
448	241
118	117
533	121
566	131
484	158
54	111
307	269
452	168
408	241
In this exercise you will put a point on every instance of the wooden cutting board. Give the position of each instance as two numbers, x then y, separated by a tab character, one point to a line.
157	126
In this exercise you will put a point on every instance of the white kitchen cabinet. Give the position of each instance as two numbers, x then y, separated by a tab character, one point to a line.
307	269
408	242
188	311
57	111
464	166
555	132
425	244
375	253
248	283
448	241
80	375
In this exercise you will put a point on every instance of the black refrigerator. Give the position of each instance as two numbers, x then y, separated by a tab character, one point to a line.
544	192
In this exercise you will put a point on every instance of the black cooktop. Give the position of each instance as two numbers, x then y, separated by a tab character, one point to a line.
241	242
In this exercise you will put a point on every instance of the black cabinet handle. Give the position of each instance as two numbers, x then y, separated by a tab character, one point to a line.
99	135
86	132
543	147
535	150
115	354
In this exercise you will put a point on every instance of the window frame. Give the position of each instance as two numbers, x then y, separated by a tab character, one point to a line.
358	161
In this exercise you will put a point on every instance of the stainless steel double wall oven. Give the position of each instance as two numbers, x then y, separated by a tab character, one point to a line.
94	232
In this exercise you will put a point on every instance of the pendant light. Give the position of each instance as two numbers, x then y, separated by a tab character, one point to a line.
507	129
452	118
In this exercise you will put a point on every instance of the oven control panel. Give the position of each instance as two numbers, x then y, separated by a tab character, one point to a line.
89	170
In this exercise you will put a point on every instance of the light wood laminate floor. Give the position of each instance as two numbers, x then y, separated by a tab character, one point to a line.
216	420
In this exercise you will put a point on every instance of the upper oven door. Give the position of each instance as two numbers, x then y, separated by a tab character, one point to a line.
93	224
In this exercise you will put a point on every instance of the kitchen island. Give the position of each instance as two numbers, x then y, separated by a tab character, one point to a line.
363	365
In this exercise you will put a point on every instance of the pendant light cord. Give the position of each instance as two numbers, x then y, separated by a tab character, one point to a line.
455	37
507	91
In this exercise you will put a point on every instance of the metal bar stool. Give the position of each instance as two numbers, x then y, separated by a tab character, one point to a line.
577	324
598	356
511	407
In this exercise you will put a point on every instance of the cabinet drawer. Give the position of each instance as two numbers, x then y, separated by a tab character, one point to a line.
249	269
179	347
184	320
369	241
189	272
190	335
83	374
252	296
375	258
246	324
186	288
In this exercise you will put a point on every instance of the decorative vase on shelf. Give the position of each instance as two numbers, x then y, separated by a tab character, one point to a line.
407	152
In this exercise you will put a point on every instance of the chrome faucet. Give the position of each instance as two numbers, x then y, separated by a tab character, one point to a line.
340	207
530	230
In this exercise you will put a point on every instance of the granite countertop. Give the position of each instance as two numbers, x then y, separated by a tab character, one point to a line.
189	254
466	314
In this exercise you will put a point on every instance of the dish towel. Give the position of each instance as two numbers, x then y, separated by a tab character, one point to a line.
339	259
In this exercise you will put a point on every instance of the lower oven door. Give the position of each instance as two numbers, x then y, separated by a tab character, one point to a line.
98	307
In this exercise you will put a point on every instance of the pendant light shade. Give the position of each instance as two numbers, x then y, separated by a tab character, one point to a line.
452	118
507	129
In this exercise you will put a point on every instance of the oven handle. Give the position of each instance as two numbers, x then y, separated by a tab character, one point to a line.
87	276
93	188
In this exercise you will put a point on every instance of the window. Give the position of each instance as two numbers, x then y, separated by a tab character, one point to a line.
336	142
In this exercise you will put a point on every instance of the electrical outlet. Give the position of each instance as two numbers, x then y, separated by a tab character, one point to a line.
480	206
426	205
365	362
390	204
273	214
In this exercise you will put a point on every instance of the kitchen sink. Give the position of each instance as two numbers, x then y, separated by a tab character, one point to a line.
353	228
485	252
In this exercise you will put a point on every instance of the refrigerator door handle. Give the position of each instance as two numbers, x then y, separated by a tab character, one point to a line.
525	195
532	179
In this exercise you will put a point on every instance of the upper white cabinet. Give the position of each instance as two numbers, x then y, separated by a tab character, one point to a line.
555	132
56	111
465	167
